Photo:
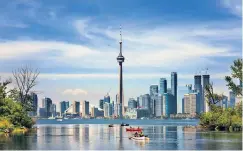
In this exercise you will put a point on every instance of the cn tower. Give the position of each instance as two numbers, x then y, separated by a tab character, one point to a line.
120	60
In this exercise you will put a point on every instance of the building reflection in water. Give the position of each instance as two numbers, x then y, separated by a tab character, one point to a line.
189	137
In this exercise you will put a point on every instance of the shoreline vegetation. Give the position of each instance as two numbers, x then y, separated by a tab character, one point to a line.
16	103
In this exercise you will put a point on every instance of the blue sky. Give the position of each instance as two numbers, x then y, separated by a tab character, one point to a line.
75	44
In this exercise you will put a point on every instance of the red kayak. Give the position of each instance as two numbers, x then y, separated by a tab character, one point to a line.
134	129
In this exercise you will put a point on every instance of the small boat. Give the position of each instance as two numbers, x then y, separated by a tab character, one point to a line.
144	138
59	120
111	125
123	124
134	129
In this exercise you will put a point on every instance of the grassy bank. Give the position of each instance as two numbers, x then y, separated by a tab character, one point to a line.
7	127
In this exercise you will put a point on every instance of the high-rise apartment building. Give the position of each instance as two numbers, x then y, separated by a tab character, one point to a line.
159	106
154	90
191	103
53	110
206	81
34	104
132	103
101	103
46	103
163	86
107	98
64	105
198	88
169	105
76	107
85	108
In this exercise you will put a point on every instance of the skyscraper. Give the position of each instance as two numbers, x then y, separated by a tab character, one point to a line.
191	103
146	101
34	104
76	107
169	90
85	108
107	109
132	103
163	86
232	99
64	105
140	102
107	98
206	81
101	103
174	84
198	88
183	104
53	110
46	103
169	105
120	60
94	112
159	105
174	90
153	97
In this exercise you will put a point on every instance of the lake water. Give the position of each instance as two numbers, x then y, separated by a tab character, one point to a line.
96	135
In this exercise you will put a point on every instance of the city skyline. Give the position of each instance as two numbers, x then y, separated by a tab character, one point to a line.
75	49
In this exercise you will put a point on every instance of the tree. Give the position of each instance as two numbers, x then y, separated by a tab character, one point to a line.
236	70
25	78
212	98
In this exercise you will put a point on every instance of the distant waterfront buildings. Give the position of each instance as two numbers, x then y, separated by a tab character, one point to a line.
198	88
107	99
64	105
206	82
76	107
101	104
107	109
132	103
159	106
42	113
153	98
232	99
53	110
85	108
174	92
169	104
191	103
34	104
46	103
163	85
94	112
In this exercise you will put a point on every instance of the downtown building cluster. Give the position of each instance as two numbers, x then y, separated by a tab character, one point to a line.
160	102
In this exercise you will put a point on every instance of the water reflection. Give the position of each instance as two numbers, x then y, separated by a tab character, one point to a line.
94	137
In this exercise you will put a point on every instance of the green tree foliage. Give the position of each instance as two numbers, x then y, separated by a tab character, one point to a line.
236	70
12	110
217	116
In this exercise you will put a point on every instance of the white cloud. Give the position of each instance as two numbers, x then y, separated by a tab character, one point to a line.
125	76
10	49
234	6
75	92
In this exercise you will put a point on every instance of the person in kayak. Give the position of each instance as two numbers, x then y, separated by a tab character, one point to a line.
136	134
141	134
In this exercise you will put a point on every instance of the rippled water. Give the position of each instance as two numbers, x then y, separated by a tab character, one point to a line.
99	136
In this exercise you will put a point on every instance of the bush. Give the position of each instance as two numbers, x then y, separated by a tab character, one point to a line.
4	124
15	113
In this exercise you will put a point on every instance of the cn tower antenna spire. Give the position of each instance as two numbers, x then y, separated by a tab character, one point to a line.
121	33
121	40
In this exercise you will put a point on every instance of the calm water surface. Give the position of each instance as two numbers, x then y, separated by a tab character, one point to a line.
53	135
